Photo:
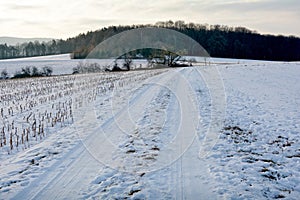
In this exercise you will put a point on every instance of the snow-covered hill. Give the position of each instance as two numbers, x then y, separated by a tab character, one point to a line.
227	131
61	64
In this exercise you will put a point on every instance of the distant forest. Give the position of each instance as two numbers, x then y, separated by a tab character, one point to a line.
218	40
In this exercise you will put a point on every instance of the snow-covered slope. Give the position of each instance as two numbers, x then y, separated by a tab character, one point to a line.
142	134
61	64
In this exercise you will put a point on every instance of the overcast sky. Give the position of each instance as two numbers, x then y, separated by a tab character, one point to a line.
67	18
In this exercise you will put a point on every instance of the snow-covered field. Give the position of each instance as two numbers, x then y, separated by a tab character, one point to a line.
148	134
61	64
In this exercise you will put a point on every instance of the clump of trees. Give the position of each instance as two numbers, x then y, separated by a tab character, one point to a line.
32	71
125	65
86	67
83	68
218	40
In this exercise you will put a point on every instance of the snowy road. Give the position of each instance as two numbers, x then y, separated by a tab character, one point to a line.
149	149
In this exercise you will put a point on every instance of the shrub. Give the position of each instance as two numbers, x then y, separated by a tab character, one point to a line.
32	71
4	74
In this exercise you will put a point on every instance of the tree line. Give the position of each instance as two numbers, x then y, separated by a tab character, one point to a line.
218	40
29	49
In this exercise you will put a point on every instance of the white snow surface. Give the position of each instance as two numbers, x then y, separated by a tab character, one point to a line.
61	64
141	137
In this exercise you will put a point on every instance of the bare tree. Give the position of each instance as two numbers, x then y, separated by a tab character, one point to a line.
127	62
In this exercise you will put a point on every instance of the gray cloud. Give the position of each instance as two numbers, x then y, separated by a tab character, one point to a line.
96	21
267	16
262	15
23	7
263	5
7	20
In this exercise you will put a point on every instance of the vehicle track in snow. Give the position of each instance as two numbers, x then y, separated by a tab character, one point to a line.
146	151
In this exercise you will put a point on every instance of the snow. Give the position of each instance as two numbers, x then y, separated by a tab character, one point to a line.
227	131
258	150
61	64
239	61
